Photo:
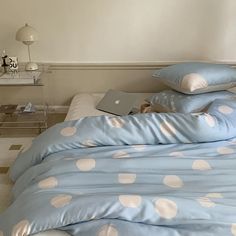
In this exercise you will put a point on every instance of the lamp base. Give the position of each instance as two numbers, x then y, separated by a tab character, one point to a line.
31	66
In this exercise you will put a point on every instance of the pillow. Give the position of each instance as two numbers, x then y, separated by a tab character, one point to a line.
222	108
84	105
172	101
195	78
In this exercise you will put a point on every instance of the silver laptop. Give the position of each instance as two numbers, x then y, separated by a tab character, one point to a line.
117	102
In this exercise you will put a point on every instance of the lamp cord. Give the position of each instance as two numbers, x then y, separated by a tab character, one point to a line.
29	53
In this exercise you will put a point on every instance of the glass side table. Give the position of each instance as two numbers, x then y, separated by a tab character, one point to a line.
17	119
25	120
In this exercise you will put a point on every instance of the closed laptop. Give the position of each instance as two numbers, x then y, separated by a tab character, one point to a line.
117	102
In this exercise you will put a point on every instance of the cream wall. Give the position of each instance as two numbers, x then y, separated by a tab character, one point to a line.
139	34
61	84
122	30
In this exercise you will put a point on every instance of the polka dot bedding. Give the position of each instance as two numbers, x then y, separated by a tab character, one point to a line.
147	174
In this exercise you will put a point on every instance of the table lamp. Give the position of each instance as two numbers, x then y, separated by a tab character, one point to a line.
28	35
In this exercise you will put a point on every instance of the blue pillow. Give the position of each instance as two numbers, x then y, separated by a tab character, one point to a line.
197	77
172	101
223	108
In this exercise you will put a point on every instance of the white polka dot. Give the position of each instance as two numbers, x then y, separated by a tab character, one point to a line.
86	164
167	129
206	202
121	154
61	200
166	208
48	183
1	233
225	110
131	201
108	230
173	181
201	165
116	122
210	120
193	81
21	229
225	150
232	141
176	154
68	131
214	195
126	178
233	229
139	147
89	143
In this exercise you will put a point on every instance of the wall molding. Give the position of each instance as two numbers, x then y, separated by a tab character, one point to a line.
107	66
47	67
120	66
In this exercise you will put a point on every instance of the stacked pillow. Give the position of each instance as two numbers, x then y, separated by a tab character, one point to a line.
198	84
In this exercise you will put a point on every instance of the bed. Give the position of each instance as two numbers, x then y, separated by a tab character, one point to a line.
146	174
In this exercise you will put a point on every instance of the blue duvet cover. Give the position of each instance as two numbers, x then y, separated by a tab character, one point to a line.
150	174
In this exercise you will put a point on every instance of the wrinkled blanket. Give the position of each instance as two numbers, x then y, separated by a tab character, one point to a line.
148	174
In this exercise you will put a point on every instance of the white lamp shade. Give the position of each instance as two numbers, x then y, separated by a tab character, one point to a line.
27	35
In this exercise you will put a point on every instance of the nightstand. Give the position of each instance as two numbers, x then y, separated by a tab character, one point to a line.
18	119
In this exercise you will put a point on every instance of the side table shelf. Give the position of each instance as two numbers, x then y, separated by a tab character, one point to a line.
24	120
22	78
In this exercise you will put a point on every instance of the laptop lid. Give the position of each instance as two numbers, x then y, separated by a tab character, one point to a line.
117	102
